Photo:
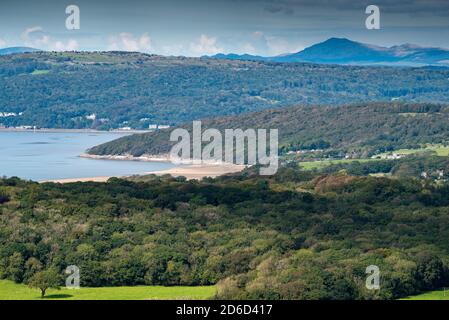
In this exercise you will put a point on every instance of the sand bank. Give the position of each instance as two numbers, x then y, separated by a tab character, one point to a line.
195	171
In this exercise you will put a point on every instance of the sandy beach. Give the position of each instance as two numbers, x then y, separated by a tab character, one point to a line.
194	171
199	171
188	170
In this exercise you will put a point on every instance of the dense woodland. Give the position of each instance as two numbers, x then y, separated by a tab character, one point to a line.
359	130
295	235
60	90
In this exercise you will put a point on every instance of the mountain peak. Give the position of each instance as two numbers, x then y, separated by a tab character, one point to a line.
341	50
409	46
334	40
345	51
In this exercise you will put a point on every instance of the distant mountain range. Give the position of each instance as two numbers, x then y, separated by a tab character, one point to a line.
345	51
12	50
336	51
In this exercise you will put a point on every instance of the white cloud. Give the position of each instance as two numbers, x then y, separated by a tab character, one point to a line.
280	46
28	31
128	42
2	43
258	34
261	44
71	45
249	49
36	37
205	46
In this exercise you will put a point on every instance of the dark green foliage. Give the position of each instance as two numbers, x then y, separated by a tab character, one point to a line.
44	280
296	235
3	199
359	130
134	89
430	272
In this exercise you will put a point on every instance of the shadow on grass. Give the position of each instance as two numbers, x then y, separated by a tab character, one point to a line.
58	296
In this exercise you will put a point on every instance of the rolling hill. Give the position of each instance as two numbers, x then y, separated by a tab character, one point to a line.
105	90
16	50
361	129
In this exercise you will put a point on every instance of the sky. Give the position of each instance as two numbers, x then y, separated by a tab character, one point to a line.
207	27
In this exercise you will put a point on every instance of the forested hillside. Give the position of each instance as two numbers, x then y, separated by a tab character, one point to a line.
360	130
116	89
294	235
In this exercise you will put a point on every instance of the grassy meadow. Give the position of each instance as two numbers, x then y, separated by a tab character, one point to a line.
431	295
12	291
439	149
38	72
311	165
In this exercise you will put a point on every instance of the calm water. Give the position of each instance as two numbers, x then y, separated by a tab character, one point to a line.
46	156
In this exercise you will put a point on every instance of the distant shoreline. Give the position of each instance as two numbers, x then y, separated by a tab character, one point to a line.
48	130
128	157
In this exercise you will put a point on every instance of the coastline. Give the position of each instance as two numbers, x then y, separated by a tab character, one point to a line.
48	130
193	171
128	157
188	170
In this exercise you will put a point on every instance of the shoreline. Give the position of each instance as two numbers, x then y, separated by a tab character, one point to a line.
128	157
187	169
191	172
49	130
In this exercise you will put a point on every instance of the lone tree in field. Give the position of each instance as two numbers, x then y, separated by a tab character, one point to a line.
44	280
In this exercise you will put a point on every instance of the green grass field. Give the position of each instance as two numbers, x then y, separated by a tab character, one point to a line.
311	165
39	72
431	295
440	150
12	291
